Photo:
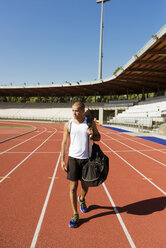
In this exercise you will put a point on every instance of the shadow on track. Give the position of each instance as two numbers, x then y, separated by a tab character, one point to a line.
138	208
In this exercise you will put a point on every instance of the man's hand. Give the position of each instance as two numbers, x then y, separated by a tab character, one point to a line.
93	132
63	165
90	133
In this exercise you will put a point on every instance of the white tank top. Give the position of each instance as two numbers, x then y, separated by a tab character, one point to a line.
79	140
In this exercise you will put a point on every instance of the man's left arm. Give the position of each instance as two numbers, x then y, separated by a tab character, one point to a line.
95	133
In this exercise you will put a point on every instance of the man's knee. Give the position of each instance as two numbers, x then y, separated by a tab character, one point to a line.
73	186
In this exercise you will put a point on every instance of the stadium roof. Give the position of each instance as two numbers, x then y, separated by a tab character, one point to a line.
144	72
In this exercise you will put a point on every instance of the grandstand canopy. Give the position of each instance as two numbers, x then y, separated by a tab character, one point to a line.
144	72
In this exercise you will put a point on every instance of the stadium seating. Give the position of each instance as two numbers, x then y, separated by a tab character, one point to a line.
36	111
146	114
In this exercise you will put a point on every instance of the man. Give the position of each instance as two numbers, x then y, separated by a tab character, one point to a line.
79	152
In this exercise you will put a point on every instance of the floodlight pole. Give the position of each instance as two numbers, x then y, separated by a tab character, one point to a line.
101	38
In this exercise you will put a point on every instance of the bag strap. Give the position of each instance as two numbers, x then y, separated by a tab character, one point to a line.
88	146
89	124
70	125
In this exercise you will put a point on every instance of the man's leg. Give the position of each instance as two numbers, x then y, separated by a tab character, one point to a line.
84	191
81	198
73	195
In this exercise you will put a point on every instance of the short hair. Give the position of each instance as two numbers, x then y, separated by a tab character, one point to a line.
81	105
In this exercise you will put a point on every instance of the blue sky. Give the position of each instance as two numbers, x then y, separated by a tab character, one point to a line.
58	40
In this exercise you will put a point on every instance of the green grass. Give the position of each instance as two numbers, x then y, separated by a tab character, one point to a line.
14	127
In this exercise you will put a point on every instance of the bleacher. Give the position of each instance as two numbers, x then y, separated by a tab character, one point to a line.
148	114
36	111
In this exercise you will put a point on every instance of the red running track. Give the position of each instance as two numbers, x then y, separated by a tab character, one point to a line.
127	211
10	130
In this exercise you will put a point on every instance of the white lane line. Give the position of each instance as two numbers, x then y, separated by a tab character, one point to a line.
105	151
142	150
36	234
45	129
137	151
125	138
145	150
119	218
162	191
35	152
27	157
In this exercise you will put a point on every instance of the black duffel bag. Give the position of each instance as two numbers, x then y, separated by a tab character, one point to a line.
95	171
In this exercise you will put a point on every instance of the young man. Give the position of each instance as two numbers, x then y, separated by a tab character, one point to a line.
79	152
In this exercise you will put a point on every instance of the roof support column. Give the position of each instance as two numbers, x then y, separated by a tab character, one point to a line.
143	94
101	115
116	112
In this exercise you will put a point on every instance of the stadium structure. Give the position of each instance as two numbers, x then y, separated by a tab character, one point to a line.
145	72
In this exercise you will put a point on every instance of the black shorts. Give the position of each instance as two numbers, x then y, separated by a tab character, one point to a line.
74	168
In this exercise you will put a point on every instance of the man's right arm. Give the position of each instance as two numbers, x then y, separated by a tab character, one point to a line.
64	146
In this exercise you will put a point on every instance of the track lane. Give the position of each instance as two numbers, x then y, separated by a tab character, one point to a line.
22	197
9	144
130	193
134	139
161	161
54	239
145	143
27	189
144	168
8	160
3	168
152	169
37	231
149	170
140	204
18	143
98	226
7	133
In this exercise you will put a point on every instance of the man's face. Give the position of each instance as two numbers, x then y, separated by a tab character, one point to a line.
78	113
